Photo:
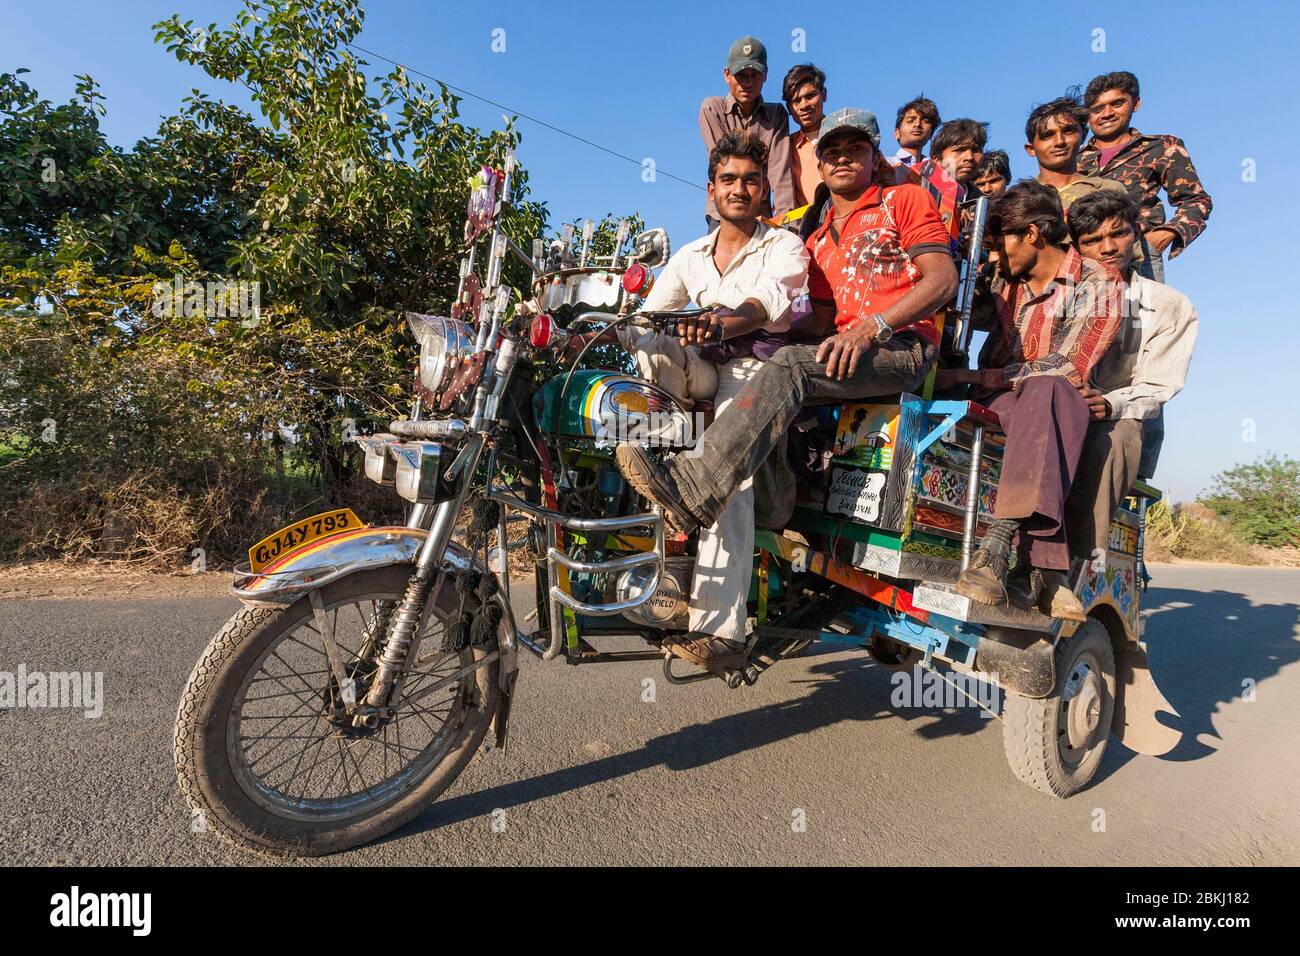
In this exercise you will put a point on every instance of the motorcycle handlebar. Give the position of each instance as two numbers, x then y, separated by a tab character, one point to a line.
664	320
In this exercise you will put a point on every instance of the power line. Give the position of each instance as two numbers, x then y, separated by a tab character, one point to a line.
519	113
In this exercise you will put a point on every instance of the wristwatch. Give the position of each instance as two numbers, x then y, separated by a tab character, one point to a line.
883	332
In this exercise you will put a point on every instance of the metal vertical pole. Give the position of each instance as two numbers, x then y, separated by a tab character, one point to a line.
972	497
967	298
1140	557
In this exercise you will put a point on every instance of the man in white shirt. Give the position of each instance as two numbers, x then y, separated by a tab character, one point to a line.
747	274
1145	368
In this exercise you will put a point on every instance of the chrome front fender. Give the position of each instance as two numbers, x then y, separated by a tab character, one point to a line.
336	556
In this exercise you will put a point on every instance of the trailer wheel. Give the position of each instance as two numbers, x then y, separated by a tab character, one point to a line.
891	654
1055	744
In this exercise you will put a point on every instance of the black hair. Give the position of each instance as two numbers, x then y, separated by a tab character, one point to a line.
926	107
1087	213
798	76
1029	203
1067	105
956	132
737	144
996	162
1121	80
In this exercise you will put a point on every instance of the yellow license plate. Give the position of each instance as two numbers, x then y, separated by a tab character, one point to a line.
300	533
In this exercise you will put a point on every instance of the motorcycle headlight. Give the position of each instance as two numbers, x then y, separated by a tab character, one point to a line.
443	343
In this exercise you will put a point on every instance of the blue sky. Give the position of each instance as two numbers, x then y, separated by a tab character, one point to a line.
631	77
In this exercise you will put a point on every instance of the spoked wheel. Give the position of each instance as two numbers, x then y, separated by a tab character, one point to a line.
265	753
1056	744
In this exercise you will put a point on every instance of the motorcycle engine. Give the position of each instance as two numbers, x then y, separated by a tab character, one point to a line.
669	604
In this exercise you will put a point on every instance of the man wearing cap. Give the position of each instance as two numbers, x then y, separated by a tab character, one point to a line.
743	110
879	270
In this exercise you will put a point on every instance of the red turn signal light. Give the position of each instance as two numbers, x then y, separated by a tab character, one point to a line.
542	331
637	280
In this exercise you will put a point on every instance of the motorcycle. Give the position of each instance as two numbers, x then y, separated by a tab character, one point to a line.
369	663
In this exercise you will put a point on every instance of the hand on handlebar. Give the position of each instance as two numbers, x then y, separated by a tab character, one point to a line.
702	329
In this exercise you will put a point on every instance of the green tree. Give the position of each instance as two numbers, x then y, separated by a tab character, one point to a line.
1261	500
342	196
345	232
69	192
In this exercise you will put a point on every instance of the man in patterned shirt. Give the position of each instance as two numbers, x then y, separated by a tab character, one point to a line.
1051	315
1144	165
880	268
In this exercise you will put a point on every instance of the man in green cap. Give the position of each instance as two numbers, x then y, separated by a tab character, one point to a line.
743	110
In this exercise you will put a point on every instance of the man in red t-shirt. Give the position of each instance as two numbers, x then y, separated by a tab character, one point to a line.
880	268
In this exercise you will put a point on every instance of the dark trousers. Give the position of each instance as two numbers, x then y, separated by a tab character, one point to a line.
1107	467
741	438
1153	436
1045	421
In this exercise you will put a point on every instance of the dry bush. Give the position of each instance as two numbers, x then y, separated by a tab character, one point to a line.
1193	532
144	520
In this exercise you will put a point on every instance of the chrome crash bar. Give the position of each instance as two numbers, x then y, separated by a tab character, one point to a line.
555	559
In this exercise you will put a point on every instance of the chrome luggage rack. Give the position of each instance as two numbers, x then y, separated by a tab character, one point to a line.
555	559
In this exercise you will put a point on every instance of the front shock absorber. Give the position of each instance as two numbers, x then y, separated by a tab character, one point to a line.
406	620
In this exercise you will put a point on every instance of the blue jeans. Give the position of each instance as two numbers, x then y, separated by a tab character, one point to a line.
742	436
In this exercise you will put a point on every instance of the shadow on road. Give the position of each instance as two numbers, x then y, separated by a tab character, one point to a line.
1203	645
1209	648
841	689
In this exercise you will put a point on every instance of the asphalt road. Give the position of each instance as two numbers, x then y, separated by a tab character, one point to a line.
702	775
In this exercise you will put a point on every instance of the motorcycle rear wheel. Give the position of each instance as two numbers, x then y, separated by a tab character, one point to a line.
261	763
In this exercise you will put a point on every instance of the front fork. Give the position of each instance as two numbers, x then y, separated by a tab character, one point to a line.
440	520
409	615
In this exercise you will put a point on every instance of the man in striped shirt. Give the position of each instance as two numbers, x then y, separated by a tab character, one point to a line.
1051	315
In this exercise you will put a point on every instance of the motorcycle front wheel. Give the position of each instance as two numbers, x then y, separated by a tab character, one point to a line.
265	759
